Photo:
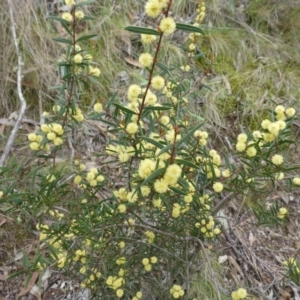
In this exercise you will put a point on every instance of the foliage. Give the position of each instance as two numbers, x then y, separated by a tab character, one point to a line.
129	226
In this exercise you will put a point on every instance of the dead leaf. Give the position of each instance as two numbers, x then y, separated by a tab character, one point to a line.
291	230
35	290
3	277
297	244
235	264
284	196
133	62
31	283
227	85
252	239
2	128
125	37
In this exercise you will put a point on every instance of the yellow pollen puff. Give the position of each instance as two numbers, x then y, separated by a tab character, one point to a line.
176	210
148	38
265	123
67	16
79	14
98	107
167	25
157	82
78	58
290	112
148	267
242	137
153	8
132	128
282	212
239	294
122	208
94	71
279	109
218	187
277	159
146	60
251	152
296	181
70	2
121	244
240	146
161	186
133	92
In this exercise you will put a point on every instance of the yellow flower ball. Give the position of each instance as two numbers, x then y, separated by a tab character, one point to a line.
95	72
120	293
153	8
176	210
122	208
242	137
153	259
148	38
67	16
121	244
79	14
70	2
296	181
290	112
277	159
32	137
148	268
226	173
98	107
77	179
157	82
240	146
279	176
34	146
133	92
146	60
251	152
242	293
282	212
218	187
161	186
132	128
58	141
167	25
265	123
279	109
78	58
51	136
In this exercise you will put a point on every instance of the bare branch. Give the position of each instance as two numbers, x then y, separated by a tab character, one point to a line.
19	87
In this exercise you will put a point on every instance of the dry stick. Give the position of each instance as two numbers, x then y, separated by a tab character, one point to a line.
19	87
222	203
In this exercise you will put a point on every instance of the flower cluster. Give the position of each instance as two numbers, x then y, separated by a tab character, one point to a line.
50	134
124	153
115	283
269	132
176	291
149	262
282	213
153	8
200	12
239	294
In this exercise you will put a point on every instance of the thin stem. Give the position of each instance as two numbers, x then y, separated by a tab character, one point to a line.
19	88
